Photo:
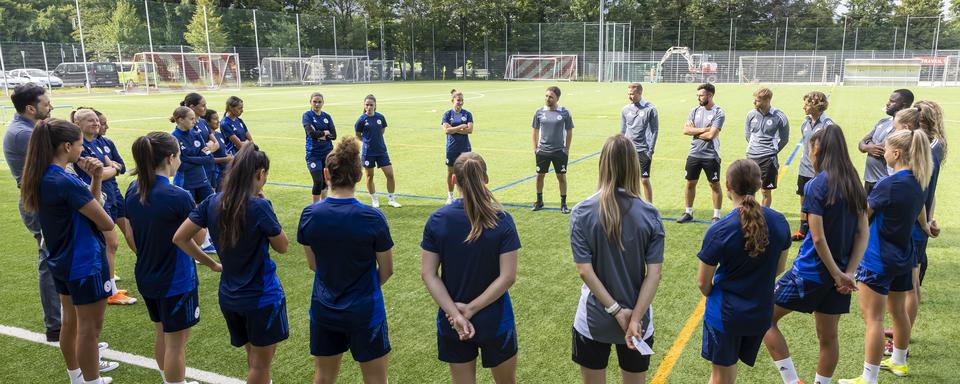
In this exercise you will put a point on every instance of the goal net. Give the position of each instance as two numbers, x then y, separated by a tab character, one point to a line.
631	71
881	71
175	70
783	69
542	67
951	71
323	69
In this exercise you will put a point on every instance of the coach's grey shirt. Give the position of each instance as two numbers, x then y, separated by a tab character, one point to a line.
876	169
807	130
766	134
15	144
702	118
621	271
639	123
553	126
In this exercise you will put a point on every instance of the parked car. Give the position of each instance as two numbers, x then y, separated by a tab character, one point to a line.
37	76
136	74
9	81
100	74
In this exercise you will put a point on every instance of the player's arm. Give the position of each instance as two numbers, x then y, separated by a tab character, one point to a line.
332	131
536	138
311	258
449	129
623	123
429	267
385	265
569	139
654	127
467	128
709	133
867	145
236	141
746	128
499	286
183	239
859	244
590	278
212	143
648	289
690	130
93	167
705	278
783	134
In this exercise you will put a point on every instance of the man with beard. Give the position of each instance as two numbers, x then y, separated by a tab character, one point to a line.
872	143
704	124
767	132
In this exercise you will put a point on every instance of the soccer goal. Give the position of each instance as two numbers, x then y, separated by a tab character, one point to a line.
783	69
881	71
542	67
323	69
951	71
175	70
631	71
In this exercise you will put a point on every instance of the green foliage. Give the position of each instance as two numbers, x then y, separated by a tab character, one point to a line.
198	31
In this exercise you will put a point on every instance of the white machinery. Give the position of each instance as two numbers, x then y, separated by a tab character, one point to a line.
698	65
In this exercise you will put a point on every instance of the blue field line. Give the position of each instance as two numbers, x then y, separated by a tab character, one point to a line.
794	153
508	185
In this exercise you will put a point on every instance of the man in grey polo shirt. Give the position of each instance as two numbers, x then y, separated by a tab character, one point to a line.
639	123
704	125
767	132
32	104
872	144
552	135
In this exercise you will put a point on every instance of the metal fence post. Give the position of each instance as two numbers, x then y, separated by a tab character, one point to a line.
183	65
153	60
3	68
46	68
383	57
433	47
506	46
83	48
256	40
209	54
299	51
600	45
906	34
335	54
730	49
123	84
539	40
413	54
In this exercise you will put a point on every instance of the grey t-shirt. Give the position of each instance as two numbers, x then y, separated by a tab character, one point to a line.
639	123
702	118
876	169
15	144
553	126
807	130
621	271
766	134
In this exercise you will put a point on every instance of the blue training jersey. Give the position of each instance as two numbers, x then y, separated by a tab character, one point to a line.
839	228
318	145
98	149
191	173
896	201
205	131
75	246
370	129
468	269
936	150
233	127
457	142
345	236
162	269
220	152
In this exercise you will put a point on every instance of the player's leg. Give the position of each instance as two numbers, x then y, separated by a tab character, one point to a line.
645	176
89	318
375	371
872	305
692	169
723	374
712	168
767	197
175	355
68	333
774	340
543	166
913	298
560	168
127	232
633	364
112	243
326	369
449	184
391	186
506	372
159	348
896	301
827	334
464	373
258	363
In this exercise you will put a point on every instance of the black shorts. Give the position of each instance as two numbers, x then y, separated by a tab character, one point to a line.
725	349
920	248
558	159
364	344
798	294
260	327
200	193
710	167
769	168
378	161
592	354
493	351
868	186
644	164
452	157
175	313
802	184
315	166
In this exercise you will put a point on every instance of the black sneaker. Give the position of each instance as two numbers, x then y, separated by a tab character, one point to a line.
715	219
53	335
537	206
564	210
685	218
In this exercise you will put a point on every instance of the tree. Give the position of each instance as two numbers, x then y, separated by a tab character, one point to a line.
197	31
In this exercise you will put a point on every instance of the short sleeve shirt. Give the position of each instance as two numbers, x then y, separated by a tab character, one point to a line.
876	168
640	123
807	130
766	134
553	126
702	118
896	201
840	225
457	142
75	247
371	129
233	127
316	149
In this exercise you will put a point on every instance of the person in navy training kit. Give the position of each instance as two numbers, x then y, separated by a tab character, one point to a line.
815	104
194	156
822	277
457	124
617	242
348	246
89	125
235	132
120	211
320	134
222	156
244	227
552	136
872	144
740	258
885	275
198	104
704	125
475	242
73	222
166	276
767	131
640	122
370	127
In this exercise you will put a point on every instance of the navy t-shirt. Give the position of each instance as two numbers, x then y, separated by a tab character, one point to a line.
936	150
233	127
162	269
345	236
75	246
741	301
370	129
317	149
839	228
110	150
191	173
469	268
222	151
896	201
204	130
457	142
92	148
249	278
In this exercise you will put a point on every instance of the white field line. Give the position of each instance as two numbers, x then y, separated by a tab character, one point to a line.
123	357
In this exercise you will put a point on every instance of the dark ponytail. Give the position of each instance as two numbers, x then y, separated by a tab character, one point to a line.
833	158
46	137
343	164
149	152
191	99
238	188
743	179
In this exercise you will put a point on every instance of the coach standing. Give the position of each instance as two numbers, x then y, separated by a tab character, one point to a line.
32	104
639	123
873	143
704	125
767	132
552	135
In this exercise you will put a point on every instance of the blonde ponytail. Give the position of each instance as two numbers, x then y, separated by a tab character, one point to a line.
915	149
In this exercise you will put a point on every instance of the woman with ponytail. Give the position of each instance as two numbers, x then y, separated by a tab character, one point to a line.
166	276
320	134
244	227
740	258
617	241
221	157
822	277
885	274
475	242
73	222
198	104
348	246
457	124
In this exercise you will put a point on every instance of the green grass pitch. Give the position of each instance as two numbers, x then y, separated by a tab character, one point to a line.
547	289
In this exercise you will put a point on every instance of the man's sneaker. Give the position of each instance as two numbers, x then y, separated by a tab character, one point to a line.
564	210
858	380
121	299
53	335
375	202
715	219
393	203
103	345
899	370
537	206
685	218
107	366
798	236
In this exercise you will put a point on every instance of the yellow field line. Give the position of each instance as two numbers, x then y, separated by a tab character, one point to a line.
666	366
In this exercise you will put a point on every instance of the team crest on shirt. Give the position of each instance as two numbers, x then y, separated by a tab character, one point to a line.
710	117
769	122
326	121
379	122
196	143
641	114
463	118
106	149
559	117
366	163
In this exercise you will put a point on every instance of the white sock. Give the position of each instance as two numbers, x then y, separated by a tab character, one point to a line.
373	197
716	213
689	210
113	286
76	377
163	376
822	380
787	371
899	356
449	195
94	381
175	382
870	372
391	196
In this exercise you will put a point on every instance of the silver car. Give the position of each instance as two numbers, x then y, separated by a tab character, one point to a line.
9	81
37	76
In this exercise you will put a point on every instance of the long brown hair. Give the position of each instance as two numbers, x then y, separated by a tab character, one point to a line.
46	137
343	164
619	169
933	114
478	202
238	188
915	149
743	178
833	158
149	151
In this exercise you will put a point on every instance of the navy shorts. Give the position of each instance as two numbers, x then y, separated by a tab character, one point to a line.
645	162
494	351
884	283
452	157
710	168
364	344
798	294
175	313
920	248
379	161
802	184
260	327
115	205
87	290
592	354
200	193
315	166
725	349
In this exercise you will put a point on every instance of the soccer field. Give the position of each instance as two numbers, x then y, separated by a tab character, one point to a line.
547	288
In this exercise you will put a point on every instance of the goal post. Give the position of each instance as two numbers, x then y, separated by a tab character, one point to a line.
323	69
951	71
176	70
783	69
882	71
632	71
542	67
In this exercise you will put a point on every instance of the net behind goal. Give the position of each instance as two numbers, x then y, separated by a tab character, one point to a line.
322	69
175	70
542	67
783	69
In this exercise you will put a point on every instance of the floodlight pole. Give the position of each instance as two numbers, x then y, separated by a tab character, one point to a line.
299	51
209	54
83	48
256	40
153	60
334	36
600	46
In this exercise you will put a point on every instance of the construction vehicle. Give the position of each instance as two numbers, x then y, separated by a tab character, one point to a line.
699	65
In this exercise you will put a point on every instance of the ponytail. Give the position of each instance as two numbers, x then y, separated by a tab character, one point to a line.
238	188
149	152
180	112
454	93
191	99
619	169
932	114
743	179
343	164
915	149
478	202
48	135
